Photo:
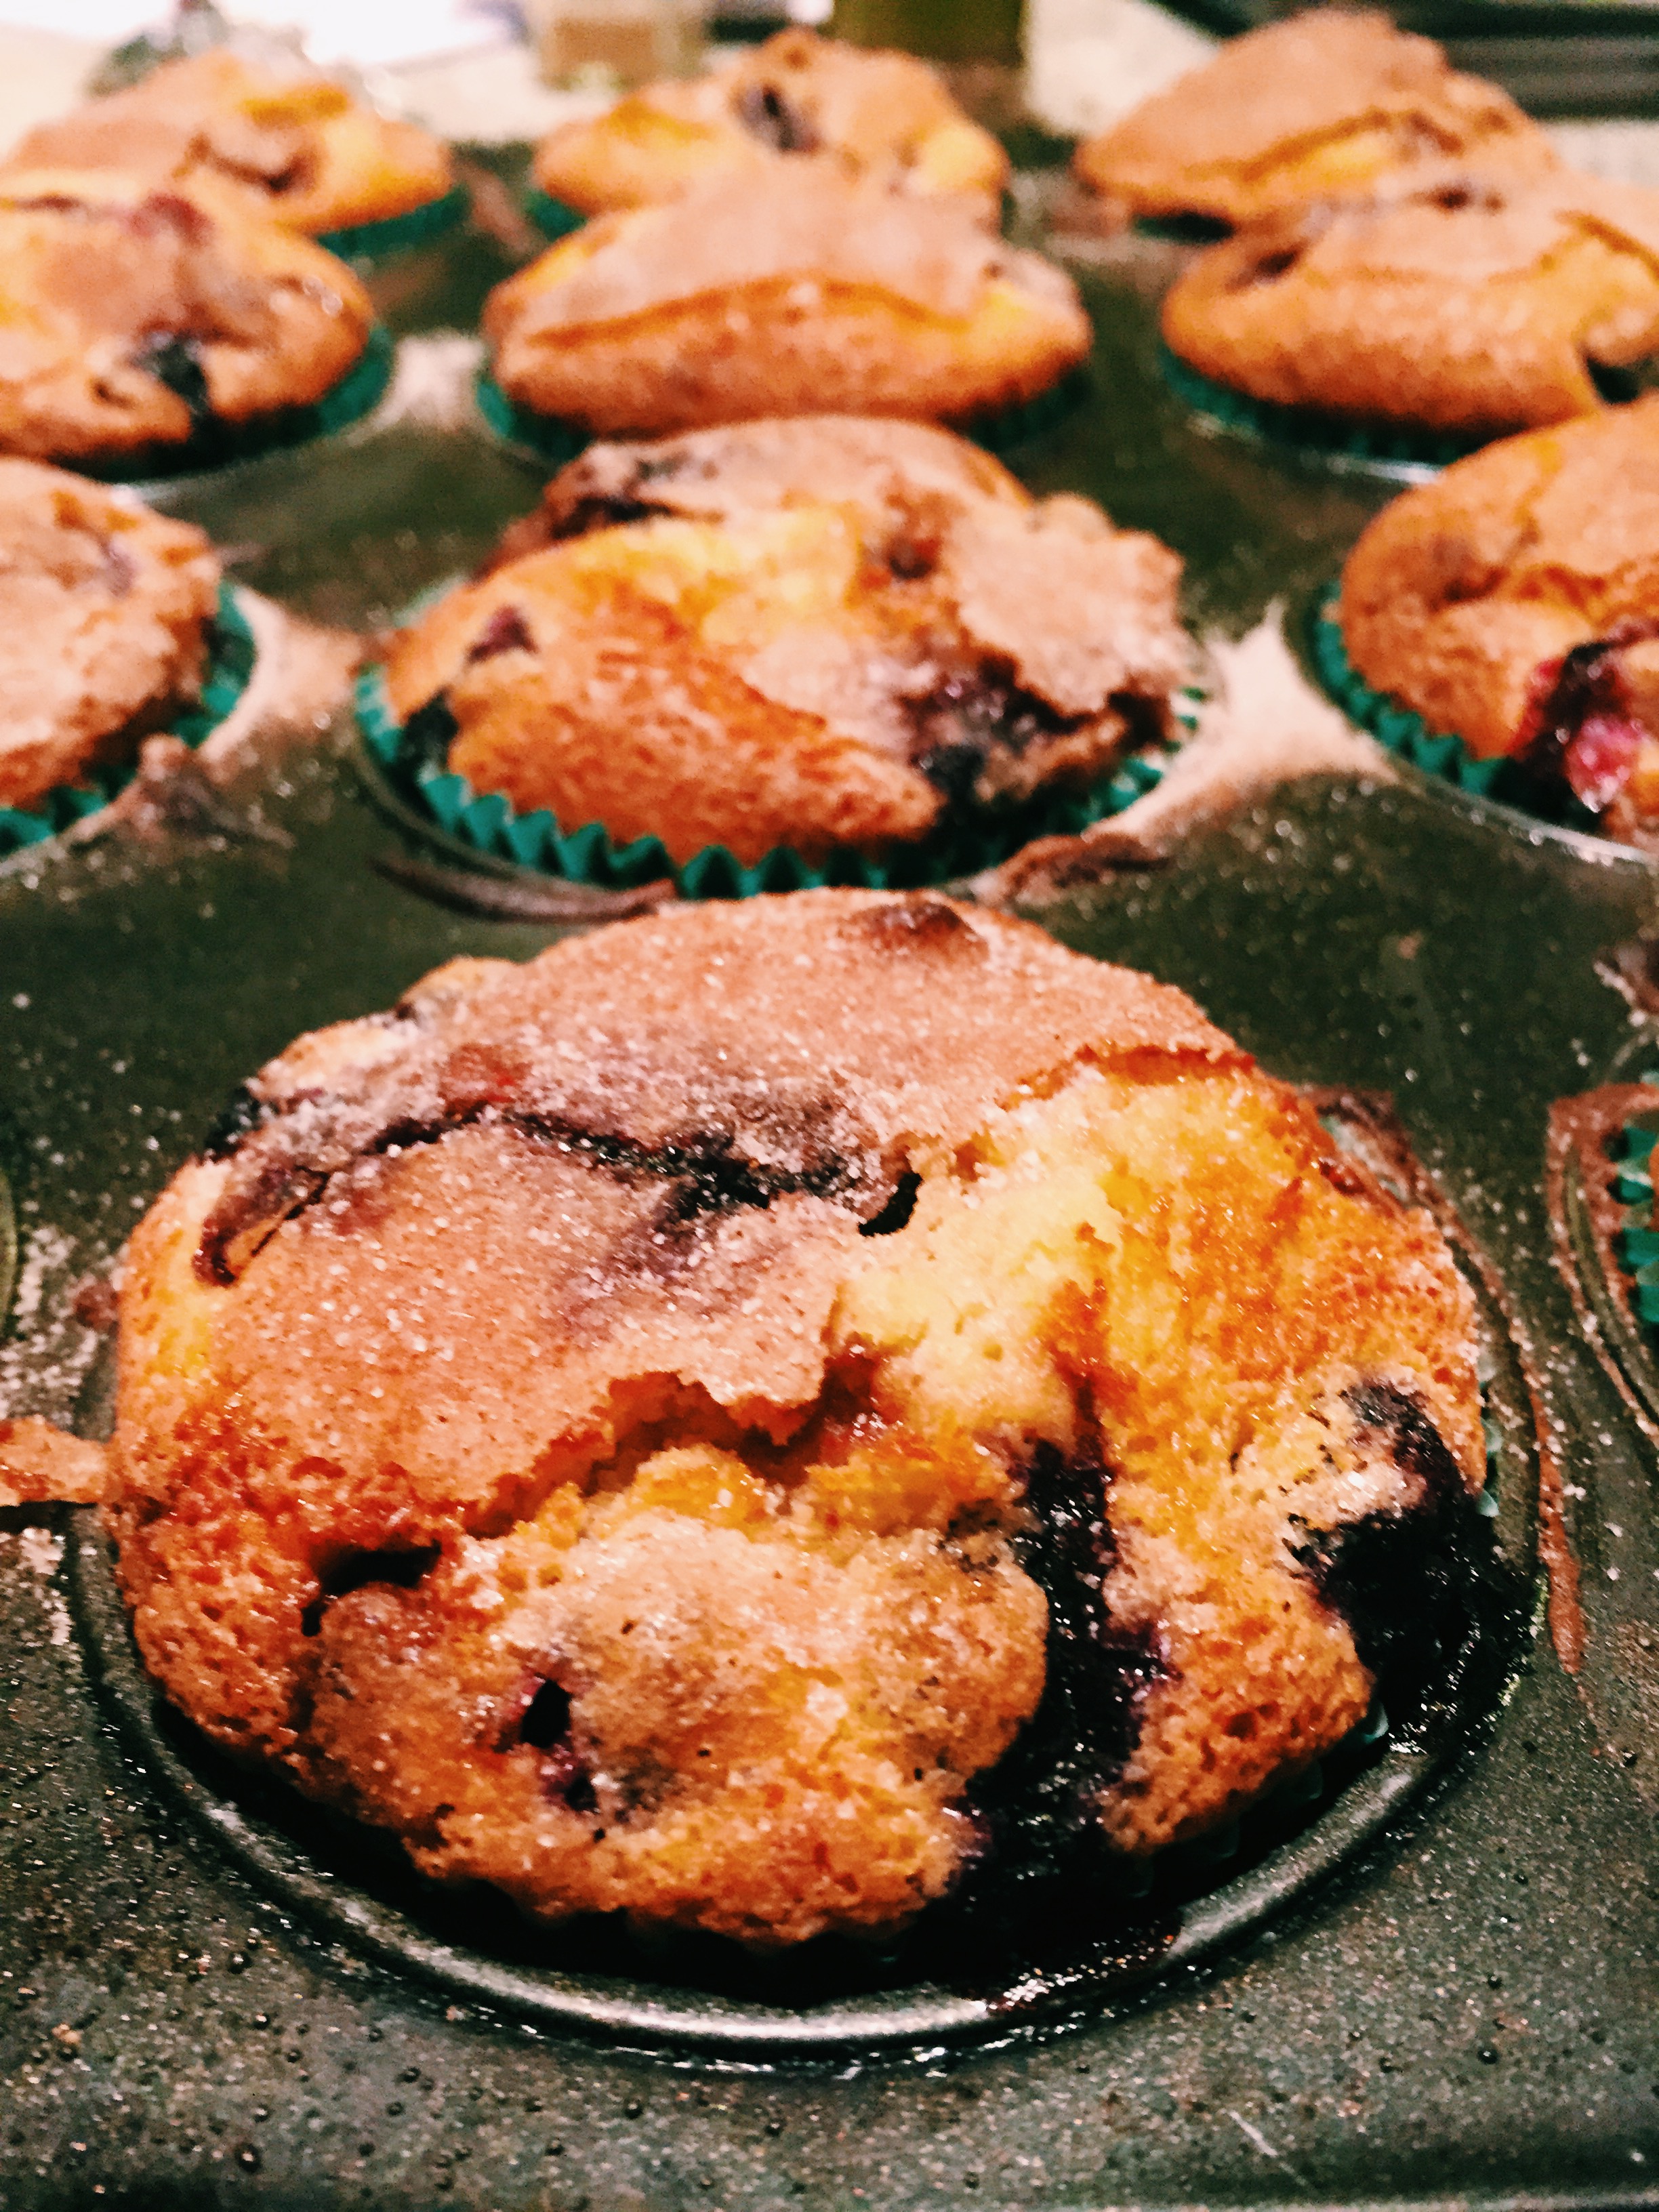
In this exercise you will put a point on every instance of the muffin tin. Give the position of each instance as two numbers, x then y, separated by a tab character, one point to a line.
1436	1977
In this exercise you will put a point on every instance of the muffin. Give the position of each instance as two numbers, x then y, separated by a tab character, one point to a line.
733	1421
884	116
1315	108
104	609
147	323
1466	308
1513	603
312	158
825	634
812	293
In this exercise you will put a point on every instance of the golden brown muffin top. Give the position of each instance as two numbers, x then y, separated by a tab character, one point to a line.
101	605
879	584
810	224
885	114
315	158
105	273
1327	103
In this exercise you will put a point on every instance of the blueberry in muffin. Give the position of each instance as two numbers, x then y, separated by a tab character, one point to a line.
146	322
605	1422
1466	307
1325	104
104	610
310	157
1513	603
884	116
807	293
825	632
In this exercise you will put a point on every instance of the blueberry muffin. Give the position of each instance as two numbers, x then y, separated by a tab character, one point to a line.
821	633
885	116
103	611
726	1422
1467	307
314	159
1322	105
138	318
805	294
1514	603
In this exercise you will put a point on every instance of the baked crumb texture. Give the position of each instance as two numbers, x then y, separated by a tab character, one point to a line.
1464	306
103	613
1327	104
808	293
296	145
883	116
826	633
137	316
655	1426
1472	598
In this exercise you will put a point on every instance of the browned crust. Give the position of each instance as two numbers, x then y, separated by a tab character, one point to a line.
1472	308
306	155
816	296
101	265
1456	593
1329	102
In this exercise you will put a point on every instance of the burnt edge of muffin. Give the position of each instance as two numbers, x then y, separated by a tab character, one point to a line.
173	358
1402	731
408	770
1043	1909
1341	442
231	652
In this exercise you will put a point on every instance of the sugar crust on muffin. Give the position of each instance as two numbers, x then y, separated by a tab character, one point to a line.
886	116
1463	591
311	157
1328	103
813	293
103	607
821	632
600	1422
1466	305
118	291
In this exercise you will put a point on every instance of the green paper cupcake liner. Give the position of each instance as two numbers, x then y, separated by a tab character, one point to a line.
231	654
1183	230
358	392
554	442
485	826
1309	431
399	234
543	436
1404	732
1638	1242
553	218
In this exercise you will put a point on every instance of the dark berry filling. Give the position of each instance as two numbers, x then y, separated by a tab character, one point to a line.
1579	738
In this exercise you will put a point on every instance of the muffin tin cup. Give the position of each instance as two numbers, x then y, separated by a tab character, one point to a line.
399	234
484	830
1405	733
357	394
552	441
231	657
1401	454
553	218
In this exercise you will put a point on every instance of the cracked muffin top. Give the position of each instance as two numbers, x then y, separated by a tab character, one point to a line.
1327	104
312	158
765	1416
1515	603
1465	306
823	632
132	313
103	607
814	293
885	116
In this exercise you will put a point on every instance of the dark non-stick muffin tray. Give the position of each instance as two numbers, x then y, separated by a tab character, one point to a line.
1428	1976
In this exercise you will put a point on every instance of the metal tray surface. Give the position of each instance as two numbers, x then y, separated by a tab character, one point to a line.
1464	2005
